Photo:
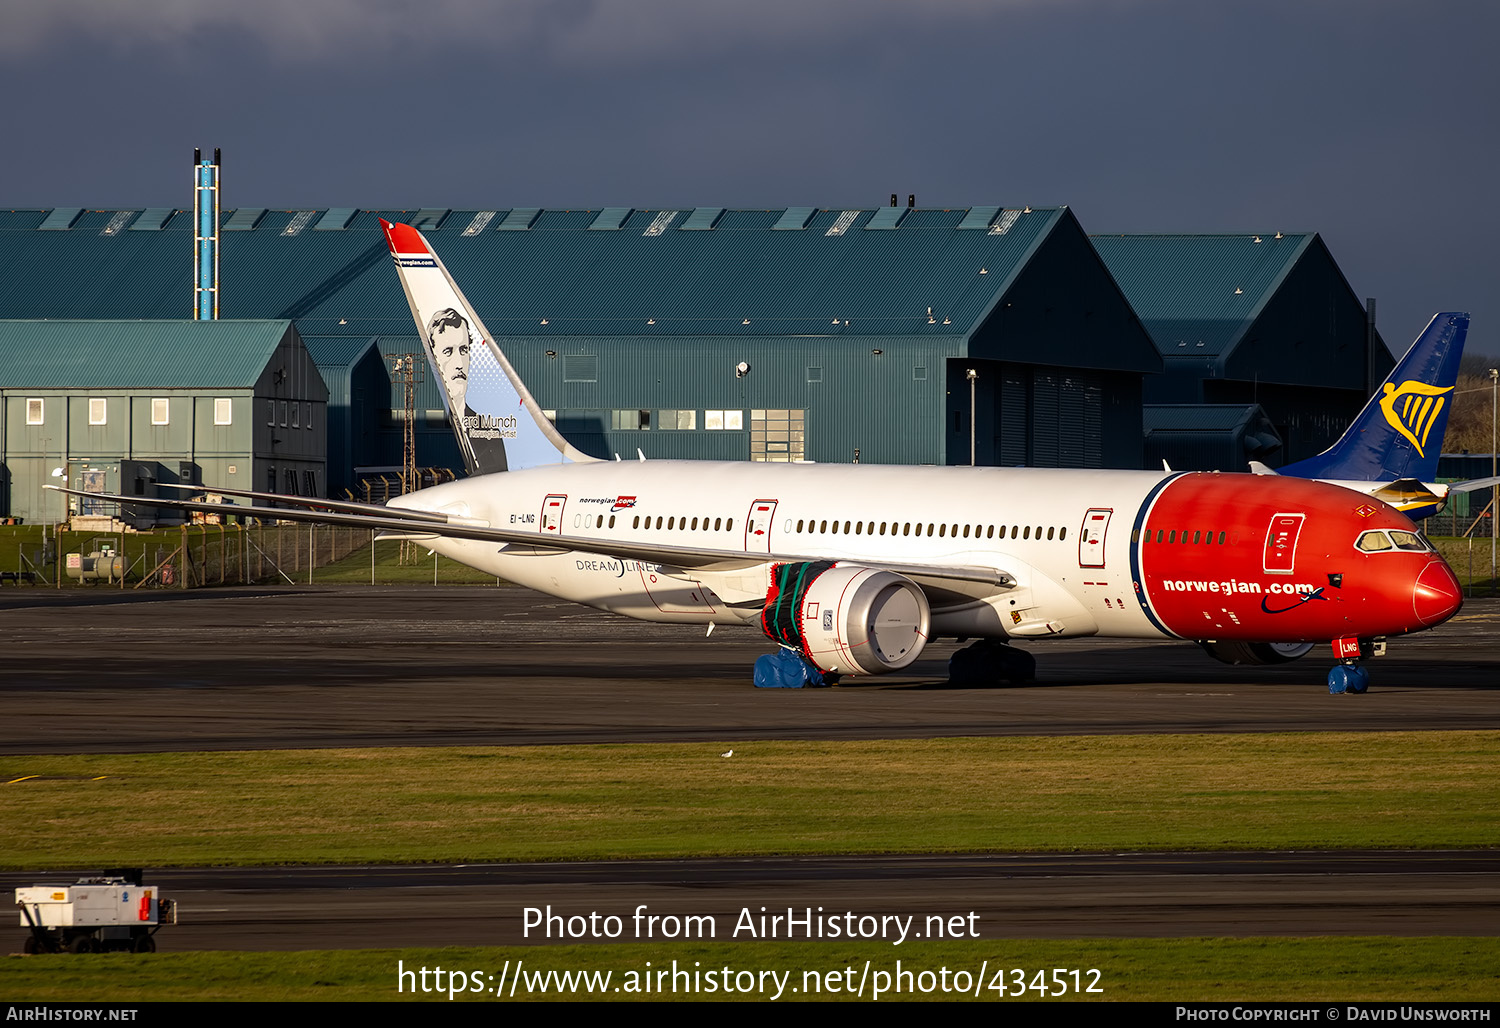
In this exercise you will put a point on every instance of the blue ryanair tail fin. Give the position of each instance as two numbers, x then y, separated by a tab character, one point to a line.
1399	434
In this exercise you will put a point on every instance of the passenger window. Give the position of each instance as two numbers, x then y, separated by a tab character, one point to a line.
1062	533
635	522
1026	532
1051	530
611	521
1197	538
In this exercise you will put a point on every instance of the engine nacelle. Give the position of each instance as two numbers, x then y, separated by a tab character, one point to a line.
847	619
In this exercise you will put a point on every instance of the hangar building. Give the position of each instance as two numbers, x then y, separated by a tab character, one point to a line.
796	333
856	327
119	406
1246	321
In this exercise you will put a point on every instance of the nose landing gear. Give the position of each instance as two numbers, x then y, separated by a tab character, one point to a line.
1347	675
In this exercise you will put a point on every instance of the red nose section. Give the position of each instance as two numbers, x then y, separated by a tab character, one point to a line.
1437	596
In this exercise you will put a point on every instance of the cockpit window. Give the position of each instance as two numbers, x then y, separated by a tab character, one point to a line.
1373	542
1377	541
1408	541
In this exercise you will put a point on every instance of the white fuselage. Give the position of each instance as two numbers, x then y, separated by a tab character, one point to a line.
1028	523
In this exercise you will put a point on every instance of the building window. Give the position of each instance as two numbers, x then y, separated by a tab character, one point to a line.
223	411
271	420
309	483
630	420
159	410
296	412
727	420
677	419
283	414
307	415
98	411
34	412
776	435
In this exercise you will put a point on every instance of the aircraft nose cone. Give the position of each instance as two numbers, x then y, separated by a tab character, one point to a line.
1437	595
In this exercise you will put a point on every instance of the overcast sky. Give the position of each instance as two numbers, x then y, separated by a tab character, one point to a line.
1373	122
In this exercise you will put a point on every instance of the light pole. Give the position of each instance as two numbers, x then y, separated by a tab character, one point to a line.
1495	488
971	376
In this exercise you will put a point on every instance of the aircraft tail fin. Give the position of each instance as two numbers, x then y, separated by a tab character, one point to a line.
497	422
1399	434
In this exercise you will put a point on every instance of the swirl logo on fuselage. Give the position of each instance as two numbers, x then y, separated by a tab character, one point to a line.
1419	405
1316	594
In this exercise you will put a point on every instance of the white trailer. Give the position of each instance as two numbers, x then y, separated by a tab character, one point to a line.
93	914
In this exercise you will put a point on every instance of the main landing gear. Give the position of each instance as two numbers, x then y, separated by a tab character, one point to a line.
989	662
1347	675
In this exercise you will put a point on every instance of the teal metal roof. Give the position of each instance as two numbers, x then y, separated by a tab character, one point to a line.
706	271
136	354
1197	295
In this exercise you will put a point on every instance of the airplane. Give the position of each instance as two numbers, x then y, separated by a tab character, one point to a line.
1390	451
854	569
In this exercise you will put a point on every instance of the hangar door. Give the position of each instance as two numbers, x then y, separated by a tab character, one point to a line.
1051	418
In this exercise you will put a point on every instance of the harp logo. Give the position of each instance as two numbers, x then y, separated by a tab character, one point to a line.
1411	409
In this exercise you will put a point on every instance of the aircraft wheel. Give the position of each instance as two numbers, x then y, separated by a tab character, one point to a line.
81	944
1359	679
988	663
968	666
1016	666
1348	678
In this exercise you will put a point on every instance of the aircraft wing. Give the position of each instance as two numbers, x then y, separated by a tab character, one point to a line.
971	581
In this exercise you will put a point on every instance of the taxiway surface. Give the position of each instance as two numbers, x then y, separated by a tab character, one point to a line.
107	671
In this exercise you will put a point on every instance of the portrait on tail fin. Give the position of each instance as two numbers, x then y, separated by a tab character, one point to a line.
495	419
451	341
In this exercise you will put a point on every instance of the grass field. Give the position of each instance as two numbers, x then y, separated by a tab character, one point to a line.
1209	970
1098	793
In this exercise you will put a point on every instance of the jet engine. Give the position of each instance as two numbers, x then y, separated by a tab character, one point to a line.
847	619
1234	652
